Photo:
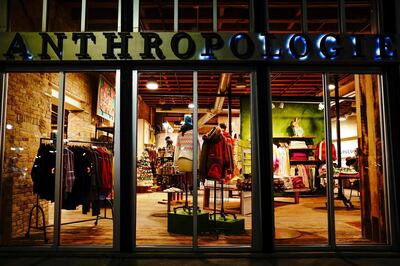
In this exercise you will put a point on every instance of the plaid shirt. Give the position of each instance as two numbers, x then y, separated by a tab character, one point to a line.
69	175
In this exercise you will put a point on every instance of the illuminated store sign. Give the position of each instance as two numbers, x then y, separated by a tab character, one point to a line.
103	46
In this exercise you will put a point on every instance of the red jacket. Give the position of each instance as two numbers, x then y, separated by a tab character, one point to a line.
216	156
320	151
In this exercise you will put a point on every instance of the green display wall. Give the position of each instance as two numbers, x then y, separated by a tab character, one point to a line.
311	120
245	113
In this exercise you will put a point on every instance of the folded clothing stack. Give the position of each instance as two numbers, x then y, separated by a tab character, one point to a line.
298	156
295	144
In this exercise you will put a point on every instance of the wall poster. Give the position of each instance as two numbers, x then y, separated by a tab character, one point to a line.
106	99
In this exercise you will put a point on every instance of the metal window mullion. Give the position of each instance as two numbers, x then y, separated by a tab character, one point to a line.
215	15
3	121
256	163
304	25
119	22
385	159
176	15
342	17
135	91
329	163
117	163
136	15
44	15
83	15
59	159
195	161
252	19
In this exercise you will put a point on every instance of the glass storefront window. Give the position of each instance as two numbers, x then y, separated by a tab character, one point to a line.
233	15
284	17
101	15
195	15
359	16
298	127
322	16
64	15
156	15
87	183
26	15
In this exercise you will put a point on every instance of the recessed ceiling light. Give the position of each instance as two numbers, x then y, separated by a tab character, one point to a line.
331	86
191	105
152	84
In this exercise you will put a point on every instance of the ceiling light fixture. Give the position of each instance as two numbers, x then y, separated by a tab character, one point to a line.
331	86
9	126
152	84
191	105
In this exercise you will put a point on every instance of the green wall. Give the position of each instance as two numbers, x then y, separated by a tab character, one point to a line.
245	112
311	119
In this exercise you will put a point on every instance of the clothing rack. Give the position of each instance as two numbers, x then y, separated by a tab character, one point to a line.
39	208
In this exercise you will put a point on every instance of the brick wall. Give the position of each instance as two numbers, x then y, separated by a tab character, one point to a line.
29	111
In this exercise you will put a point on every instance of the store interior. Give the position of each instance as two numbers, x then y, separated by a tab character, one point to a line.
166	162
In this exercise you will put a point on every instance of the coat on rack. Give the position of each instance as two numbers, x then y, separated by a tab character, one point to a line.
216	156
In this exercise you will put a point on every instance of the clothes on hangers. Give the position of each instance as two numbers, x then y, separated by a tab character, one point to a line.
43	172
216	156
87	176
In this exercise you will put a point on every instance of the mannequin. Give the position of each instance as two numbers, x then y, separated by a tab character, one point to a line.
183	156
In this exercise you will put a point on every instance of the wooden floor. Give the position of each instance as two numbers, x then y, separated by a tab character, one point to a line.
308	220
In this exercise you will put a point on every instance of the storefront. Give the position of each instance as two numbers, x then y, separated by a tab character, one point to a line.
198	125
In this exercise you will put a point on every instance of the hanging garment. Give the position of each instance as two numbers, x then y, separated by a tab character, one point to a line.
320	151
216	156
43	172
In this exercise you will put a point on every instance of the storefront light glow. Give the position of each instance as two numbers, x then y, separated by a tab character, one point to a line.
331	86
9	126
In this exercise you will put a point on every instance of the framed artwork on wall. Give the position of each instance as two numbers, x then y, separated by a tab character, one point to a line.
105	99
